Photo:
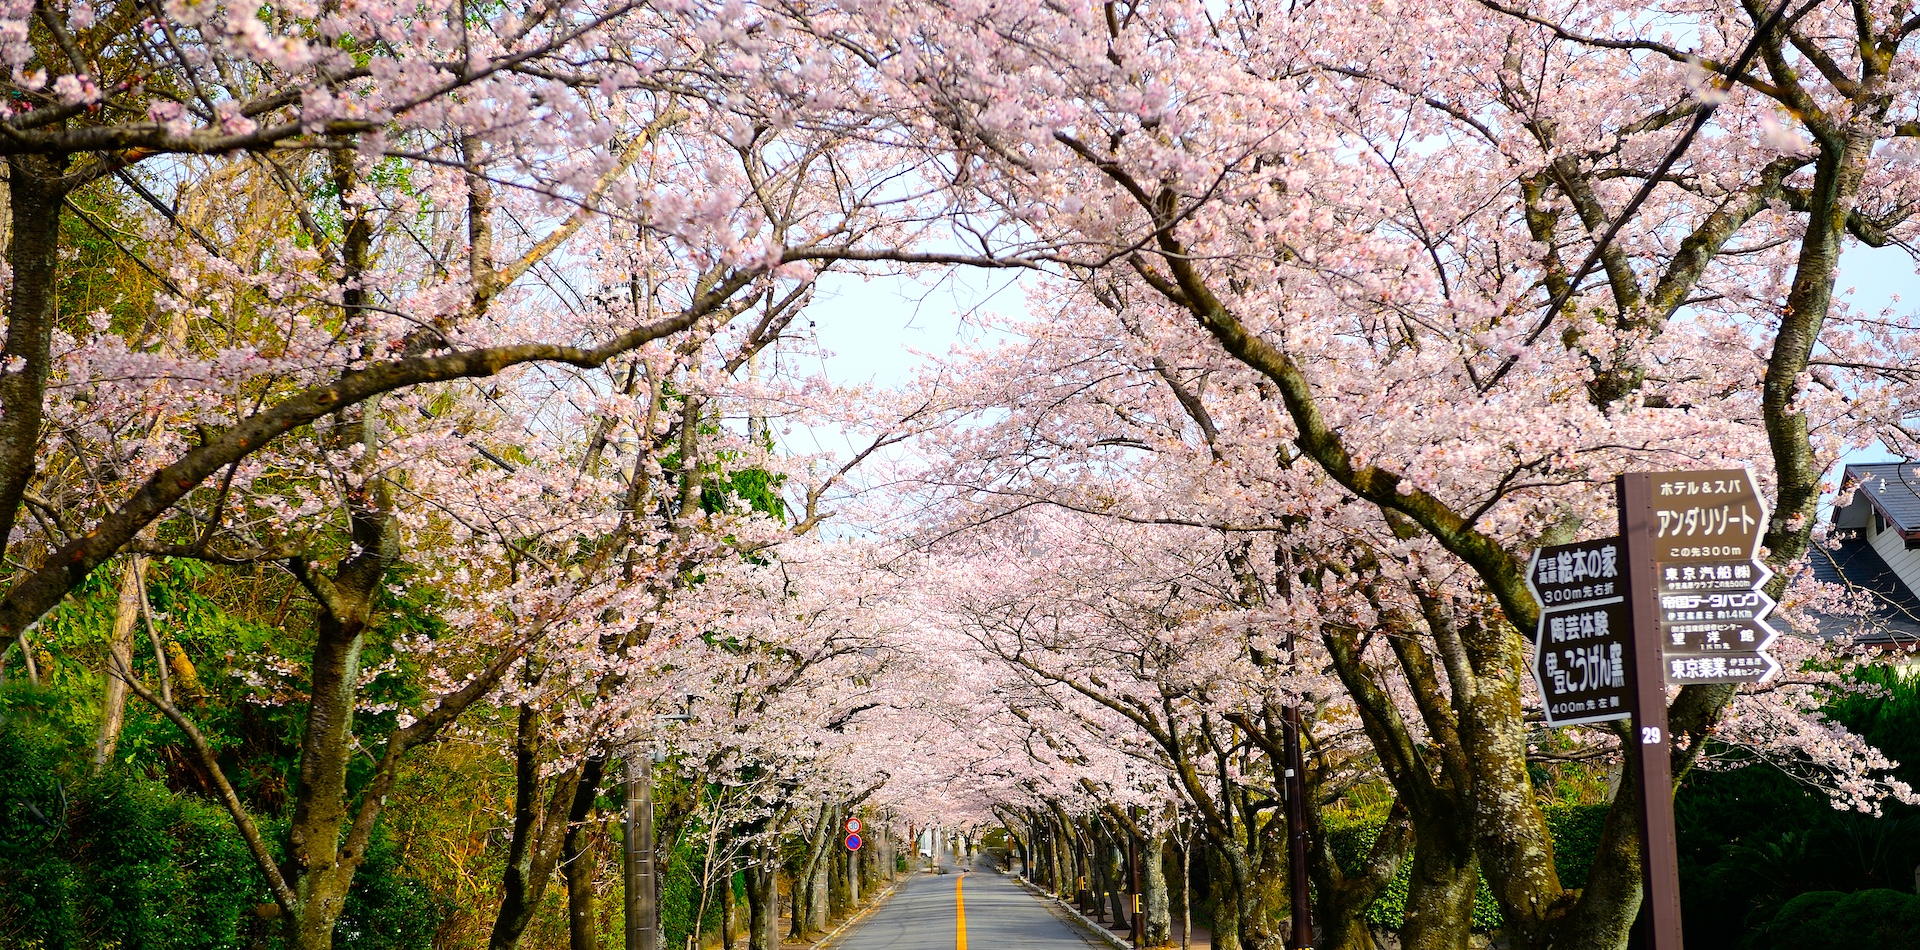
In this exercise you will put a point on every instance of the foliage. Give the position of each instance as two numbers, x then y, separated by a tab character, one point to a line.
1576	833
118	861
1877	919
680	893
388	909
1753	839
1576	837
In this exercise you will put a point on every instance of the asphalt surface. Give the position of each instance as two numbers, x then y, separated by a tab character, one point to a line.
997	914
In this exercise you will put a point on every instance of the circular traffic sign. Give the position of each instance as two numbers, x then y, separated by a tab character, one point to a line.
853	826
853	842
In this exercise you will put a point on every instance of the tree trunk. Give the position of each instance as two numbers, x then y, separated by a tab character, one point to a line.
113	708
1153	887
1445	873
1225	899
809	883
729	910
1249	900
763	901
577	857
323	868
1113	867
839	884
820	893
35	191
539	834
1186	894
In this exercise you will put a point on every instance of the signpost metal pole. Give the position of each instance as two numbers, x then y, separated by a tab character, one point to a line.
1649	745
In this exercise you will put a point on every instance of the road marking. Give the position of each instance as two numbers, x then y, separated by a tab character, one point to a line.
959	915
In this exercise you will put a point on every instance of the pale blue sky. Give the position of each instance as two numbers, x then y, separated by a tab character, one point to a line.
882	330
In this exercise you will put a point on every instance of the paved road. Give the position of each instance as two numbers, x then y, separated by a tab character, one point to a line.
994	914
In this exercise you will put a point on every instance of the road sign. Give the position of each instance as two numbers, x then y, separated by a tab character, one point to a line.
853	842
1706	529
1688	542
1576	573
1580	662
853	826
1714	515
1580	642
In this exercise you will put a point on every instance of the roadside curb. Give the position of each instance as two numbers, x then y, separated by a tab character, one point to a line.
827	941
1084	921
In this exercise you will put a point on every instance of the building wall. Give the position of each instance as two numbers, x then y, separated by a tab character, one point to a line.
1893	549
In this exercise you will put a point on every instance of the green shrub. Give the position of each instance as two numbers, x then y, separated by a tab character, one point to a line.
387	910
119	862
1576	839
680	895
122	862
1877	919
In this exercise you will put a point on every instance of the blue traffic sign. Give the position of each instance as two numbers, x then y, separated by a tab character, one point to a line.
853	842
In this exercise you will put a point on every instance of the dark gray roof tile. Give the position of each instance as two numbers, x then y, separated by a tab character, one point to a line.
1894	487
1894	616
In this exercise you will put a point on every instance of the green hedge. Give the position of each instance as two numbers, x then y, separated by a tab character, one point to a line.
122	862
1878	919
1576	834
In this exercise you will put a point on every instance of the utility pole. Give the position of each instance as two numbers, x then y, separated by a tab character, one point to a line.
643	918
1296	790
1302	937
642	897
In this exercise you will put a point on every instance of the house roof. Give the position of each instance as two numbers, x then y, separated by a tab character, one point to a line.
1892	487
1893	616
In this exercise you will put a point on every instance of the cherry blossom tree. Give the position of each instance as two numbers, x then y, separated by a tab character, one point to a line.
1391	218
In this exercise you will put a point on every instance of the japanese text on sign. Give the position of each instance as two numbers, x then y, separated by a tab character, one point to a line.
1588	668
1576	573
1743	668
1698	515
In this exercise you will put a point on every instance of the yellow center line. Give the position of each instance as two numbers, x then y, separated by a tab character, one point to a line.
959	915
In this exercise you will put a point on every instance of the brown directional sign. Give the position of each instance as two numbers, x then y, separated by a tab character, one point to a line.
1712	613
1714	515
1579	646
1580	662
1699	577
1744	667
1674	599
1714	622
1576	573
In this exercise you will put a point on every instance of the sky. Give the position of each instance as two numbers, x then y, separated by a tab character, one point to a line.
881	330
884	330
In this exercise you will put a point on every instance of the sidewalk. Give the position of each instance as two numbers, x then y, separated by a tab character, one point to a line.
1119	933
1202	937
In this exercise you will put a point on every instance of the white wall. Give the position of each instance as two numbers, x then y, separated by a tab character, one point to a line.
1893	550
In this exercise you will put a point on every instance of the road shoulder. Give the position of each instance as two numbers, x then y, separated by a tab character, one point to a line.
1093	933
